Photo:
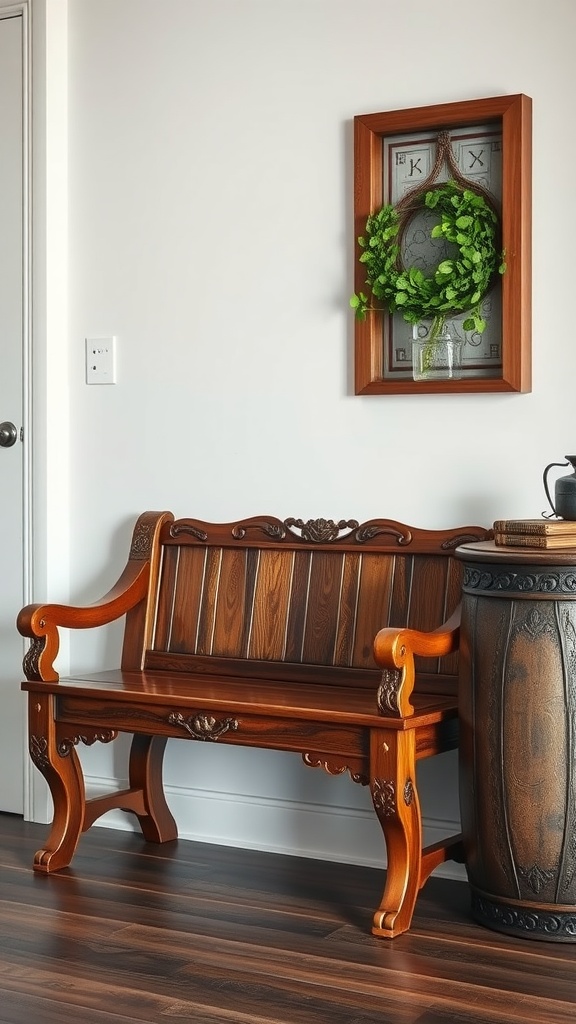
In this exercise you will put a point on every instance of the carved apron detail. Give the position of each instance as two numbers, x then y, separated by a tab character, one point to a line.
66	743
335	769
203	726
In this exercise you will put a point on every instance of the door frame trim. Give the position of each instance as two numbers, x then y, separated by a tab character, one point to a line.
21	10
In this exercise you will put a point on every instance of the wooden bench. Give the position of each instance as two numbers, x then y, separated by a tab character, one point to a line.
296	636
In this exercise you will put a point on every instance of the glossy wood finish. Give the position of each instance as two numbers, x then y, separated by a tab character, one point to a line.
262	633
514	115
518	738
212	935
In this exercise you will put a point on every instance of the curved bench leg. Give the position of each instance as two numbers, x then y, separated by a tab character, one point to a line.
63	773
395	798
146	759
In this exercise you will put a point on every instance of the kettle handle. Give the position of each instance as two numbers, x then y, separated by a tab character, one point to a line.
545	481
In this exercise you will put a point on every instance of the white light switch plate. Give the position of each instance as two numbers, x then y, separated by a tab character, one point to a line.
101	360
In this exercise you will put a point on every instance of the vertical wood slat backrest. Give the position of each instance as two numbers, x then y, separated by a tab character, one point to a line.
260	591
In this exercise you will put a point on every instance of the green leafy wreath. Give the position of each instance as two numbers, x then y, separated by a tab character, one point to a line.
458	285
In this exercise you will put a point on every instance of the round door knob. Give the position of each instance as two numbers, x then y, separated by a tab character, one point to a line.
8	434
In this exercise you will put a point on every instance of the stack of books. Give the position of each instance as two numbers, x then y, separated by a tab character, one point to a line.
535	533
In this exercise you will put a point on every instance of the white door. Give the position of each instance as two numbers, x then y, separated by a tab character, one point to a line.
12	318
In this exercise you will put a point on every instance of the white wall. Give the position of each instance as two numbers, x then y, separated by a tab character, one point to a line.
210	229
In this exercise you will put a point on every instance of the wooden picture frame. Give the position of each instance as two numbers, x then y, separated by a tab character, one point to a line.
509	119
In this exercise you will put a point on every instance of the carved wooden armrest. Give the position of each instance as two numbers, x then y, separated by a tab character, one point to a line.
41	621
394	651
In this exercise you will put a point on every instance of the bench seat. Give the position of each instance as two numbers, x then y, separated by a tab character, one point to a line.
342	704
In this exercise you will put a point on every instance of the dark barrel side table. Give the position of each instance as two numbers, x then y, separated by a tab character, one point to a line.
518	738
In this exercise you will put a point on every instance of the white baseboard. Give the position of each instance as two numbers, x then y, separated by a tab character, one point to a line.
296	828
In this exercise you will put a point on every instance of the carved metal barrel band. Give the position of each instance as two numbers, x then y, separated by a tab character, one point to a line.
559	925
528	580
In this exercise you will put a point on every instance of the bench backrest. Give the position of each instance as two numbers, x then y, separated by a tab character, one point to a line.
292	599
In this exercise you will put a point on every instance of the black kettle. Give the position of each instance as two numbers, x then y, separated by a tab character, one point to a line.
564	505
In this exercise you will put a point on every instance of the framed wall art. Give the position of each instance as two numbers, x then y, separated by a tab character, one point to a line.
442	223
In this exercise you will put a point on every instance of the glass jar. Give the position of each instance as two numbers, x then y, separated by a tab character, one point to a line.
437	357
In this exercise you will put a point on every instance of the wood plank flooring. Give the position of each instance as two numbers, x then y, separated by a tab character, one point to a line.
192	932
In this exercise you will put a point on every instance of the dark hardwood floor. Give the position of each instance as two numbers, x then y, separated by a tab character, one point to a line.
191	932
